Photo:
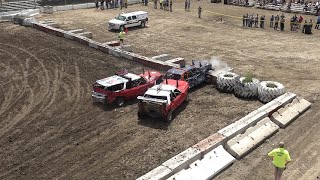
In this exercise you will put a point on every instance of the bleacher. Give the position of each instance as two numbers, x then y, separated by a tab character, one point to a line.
17	6
270	6
299	8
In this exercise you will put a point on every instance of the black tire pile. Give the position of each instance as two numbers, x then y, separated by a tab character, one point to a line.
265	91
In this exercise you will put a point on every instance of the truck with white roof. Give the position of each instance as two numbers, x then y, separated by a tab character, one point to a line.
123	86
126	20
163	99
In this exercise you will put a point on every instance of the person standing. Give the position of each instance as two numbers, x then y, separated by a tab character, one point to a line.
155	4
281	158
243	19
102	4
125	3
199	11
121	37
318	23
282	23
97	4
186	5
161	2
189	3
170	5
271	20
256	21
262	18
276	22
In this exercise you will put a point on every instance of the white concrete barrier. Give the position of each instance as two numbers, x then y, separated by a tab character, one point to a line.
126	55
242	144
80	6
159	173
68	35
210	143
86	34
301	105
93	44
284	116
182	160
114	52
211	165
252	118
76	31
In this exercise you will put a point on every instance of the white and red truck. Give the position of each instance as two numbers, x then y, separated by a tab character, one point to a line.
163	99
123	86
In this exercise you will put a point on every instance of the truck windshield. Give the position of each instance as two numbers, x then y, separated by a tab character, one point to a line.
97	85
173	76
121	18
156	97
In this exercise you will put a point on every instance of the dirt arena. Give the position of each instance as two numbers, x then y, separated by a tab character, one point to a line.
50	129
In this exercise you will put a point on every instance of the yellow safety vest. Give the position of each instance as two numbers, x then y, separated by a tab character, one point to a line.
121	35
280	157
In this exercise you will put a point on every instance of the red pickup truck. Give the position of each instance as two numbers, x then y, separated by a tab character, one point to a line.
123	86
162	99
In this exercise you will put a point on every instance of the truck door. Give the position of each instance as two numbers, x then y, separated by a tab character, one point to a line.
135	21
129	21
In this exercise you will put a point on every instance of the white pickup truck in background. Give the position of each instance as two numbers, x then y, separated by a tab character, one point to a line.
126	20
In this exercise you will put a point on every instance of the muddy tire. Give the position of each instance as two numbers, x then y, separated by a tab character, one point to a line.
168	118
226	82
267	93
246	90
143	24
119	101
187	98
141	115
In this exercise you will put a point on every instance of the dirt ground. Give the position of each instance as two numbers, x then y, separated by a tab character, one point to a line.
50	128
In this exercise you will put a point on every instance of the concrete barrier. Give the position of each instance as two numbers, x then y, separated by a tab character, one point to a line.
79	6
126	55
252	118
55	25
75	31
126	47
93	44
86	34
211	165
112	43
68	35
210	143
104	48
284	116
159	173
114	52
242	144
301	105
182	160
162	57
180	61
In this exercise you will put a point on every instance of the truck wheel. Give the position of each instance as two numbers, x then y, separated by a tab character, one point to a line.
119	101
141	115
187	98
169	117
143	24
121	28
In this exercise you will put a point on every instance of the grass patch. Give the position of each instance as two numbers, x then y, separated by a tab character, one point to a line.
271	85
248	78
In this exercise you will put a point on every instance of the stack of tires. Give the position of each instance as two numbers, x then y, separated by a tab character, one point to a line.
269	90
226	82
247	90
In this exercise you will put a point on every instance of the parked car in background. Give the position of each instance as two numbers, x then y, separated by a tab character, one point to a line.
126	20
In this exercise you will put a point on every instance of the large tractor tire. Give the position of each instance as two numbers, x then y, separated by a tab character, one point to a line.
246	90
226	82
269	90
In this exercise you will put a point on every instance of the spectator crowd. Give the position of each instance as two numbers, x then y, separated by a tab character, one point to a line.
277	22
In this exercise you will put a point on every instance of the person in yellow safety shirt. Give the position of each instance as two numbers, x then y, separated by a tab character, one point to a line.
121	37
281	158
